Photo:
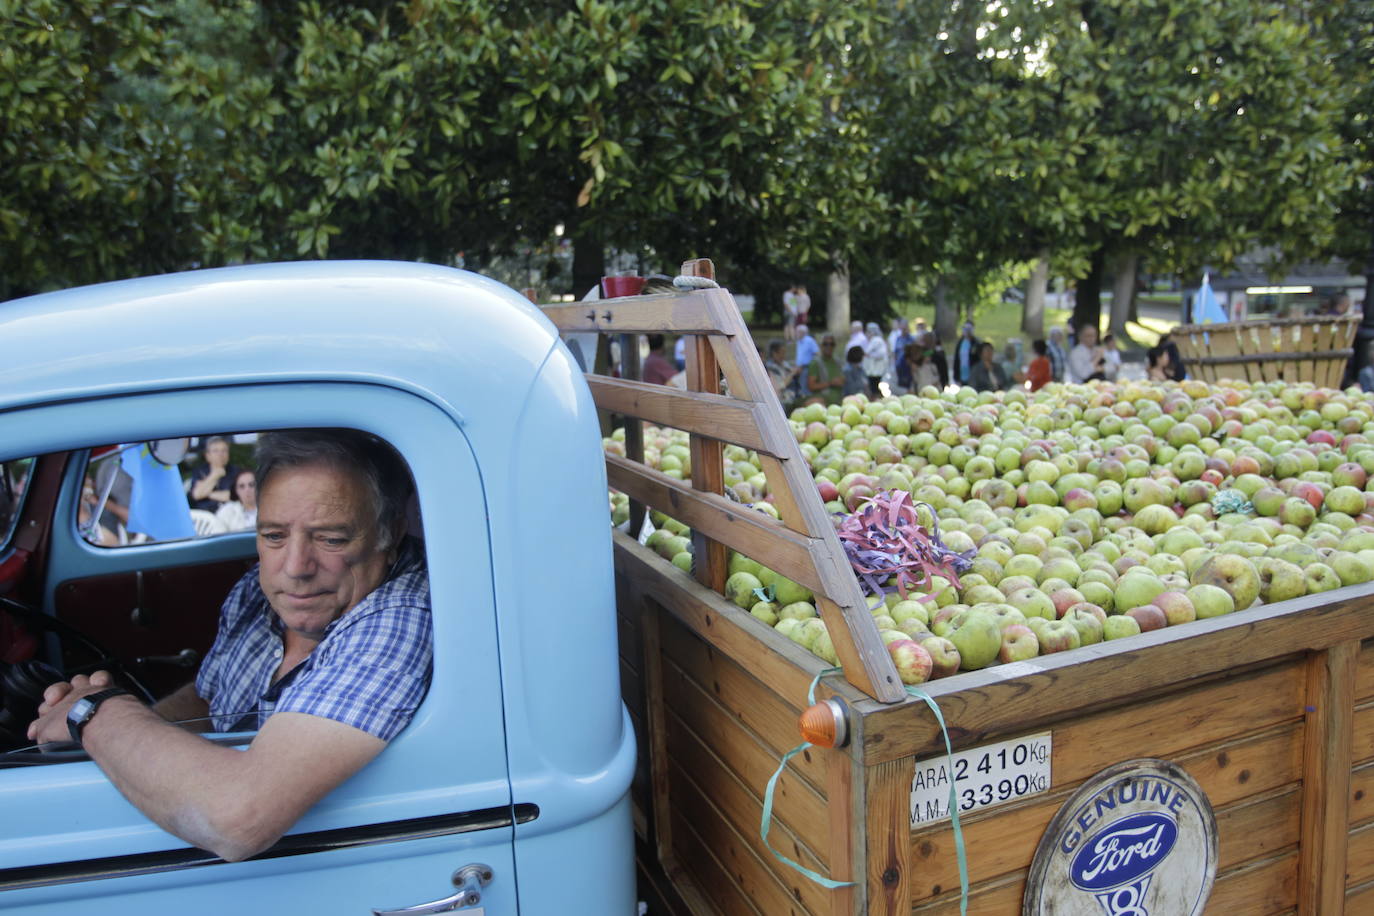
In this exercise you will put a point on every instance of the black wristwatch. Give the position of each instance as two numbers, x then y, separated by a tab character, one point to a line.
84	709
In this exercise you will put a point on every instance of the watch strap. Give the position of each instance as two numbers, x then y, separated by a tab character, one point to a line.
85	709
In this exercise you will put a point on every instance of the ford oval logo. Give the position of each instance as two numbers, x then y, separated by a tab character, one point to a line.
1123	851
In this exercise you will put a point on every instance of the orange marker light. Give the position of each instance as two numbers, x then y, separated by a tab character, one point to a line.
825	724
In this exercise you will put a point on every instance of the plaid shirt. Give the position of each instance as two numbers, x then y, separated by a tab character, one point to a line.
370	671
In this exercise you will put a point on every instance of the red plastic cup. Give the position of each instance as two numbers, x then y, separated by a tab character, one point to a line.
615	287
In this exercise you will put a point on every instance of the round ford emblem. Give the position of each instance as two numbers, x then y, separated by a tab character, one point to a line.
1138	839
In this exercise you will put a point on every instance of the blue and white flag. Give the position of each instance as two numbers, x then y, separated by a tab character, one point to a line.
157	506
1206	308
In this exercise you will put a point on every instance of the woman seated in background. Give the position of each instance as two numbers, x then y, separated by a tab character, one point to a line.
1039	372
986	375
1160	369
241	511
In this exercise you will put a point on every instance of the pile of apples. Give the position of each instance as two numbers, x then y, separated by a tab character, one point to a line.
1098	511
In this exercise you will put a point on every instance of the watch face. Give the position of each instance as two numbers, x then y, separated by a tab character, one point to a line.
80	710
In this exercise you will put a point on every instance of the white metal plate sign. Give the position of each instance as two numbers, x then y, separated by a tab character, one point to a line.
1137	839
983	776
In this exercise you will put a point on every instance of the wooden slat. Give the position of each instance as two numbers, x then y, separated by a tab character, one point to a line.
1235	776
1009	699
738	752
725	418
767	717
1326	778
848	832
709	877
1364	673
677	313
1359	861
1361	803
1362	733
751	532
887	816
722	806
1360	899
1260	888
656	712
710	557
777	661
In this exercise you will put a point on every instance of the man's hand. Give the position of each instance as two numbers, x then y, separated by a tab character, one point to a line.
58	699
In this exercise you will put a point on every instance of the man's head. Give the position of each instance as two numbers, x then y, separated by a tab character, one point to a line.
1087	335
1040	347
854	354
217	451
655	343
828	345
968	329
331	509
1056	334
775	349
802	330
856	327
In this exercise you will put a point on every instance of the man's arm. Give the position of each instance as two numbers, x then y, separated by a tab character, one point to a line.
184	705
232	803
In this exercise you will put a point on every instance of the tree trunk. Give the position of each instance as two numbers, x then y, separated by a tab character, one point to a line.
589	260
946	317
837	303
1033	314
1087	303
1123	295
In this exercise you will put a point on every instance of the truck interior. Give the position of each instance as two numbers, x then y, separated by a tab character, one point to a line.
149	623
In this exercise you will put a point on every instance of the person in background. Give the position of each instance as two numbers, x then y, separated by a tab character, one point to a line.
855	381
1057	354
657	370
857	337
1157	364
897	339
1038	372
210	481
782	374
824	376
241	512
680	353
875	362
920	368
965	354
1011	358
1177	371
1366	375
789	312
803	304
986	375
1111	358
935	355
1086	360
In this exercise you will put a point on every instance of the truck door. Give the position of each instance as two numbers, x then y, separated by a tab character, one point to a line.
437	799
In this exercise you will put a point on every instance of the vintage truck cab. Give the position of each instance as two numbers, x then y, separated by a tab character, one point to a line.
520	757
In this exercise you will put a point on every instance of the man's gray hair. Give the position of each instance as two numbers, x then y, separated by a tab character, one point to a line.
382	471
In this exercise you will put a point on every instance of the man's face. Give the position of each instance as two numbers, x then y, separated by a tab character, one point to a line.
1088	336
317	545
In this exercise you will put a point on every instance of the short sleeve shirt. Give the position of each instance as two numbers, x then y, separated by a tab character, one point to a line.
370	671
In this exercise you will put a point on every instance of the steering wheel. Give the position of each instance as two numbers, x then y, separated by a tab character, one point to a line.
22	685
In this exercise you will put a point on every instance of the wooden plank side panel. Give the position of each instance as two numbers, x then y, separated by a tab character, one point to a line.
773	658
1233	774
1326	778
983	705
672	312
1360	856
1362	733
887	792
741	852
706	876
726	745
725	418
1362	794
1262	888
695	671
1364	672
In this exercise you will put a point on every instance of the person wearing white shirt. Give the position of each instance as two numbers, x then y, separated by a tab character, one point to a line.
1085	359
876	359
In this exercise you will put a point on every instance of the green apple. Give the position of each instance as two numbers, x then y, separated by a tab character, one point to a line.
1210	601
767	611
1119	626
741	587
1234	574
978	639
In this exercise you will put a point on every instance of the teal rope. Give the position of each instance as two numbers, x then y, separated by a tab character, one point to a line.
766	822
959	849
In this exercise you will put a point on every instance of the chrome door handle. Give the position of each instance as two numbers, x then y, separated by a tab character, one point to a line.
469	881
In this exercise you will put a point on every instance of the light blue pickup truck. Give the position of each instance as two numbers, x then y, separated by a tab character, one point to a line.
508	791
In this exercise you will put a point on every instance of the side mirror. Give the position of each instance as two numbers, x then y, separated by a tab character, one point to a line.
169	451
